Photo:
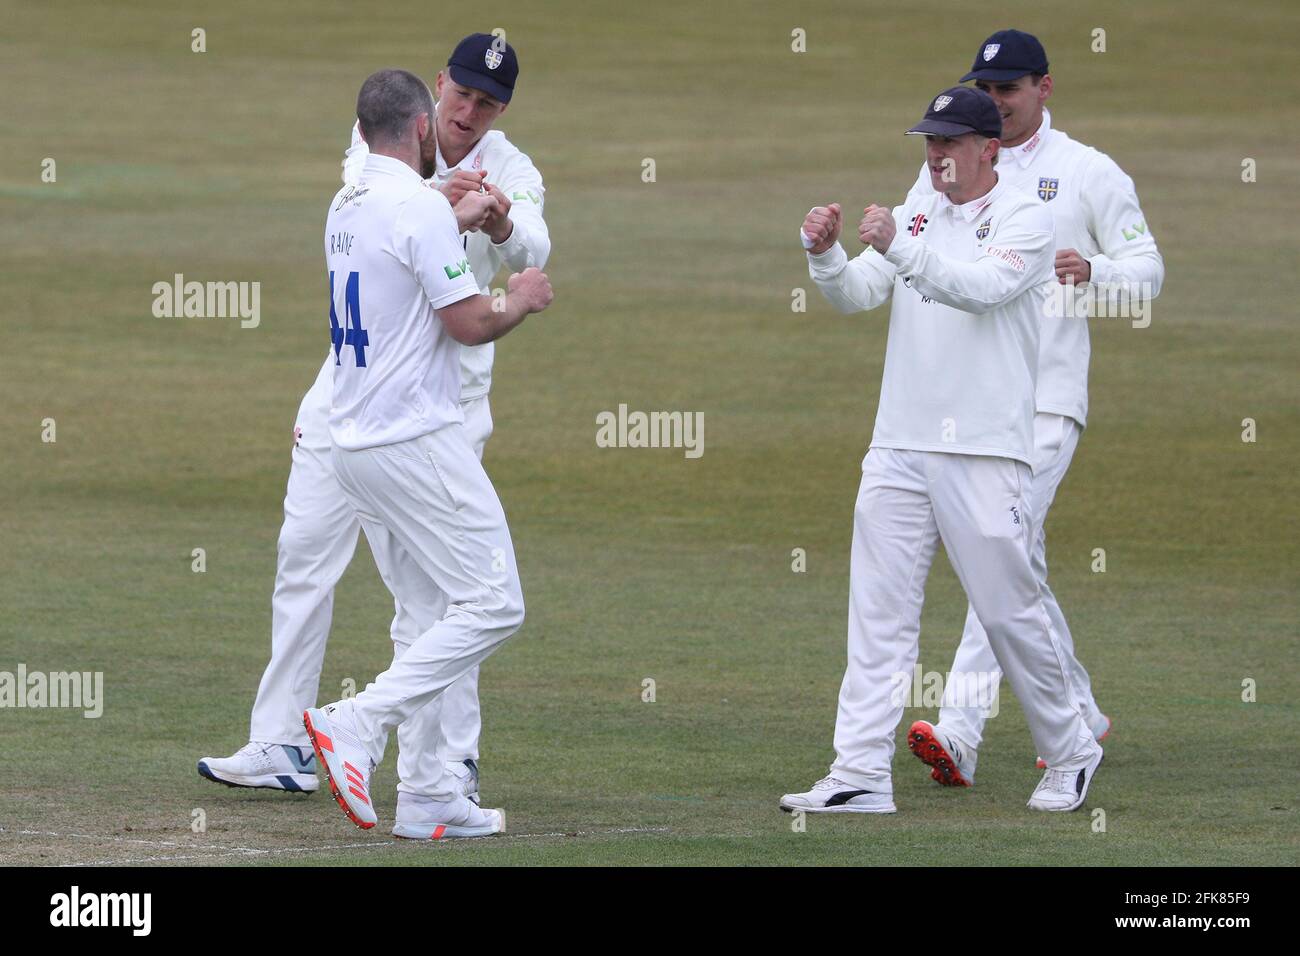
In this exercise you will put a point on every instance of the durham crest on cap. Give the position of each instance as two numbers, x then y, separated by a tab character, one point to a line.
941	101
991	50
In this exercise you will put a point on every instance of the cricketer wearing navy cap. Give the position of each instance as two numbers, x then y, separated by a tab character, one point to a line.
962	130
1105	247
486	63
959	110
464	155
965	269
1006	55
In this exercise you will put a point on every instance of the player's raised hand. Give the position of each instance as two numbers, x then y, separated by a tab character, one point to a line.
822	226
532	287
1072	267
877	228
460	183
498	224
473	210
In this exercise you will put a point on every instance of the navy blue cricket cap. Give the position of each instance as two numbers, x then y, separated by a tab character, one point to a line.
1006	55
486	63
958	110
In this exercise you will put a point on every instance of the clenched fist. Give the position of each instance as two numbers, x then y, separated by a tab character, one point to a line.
822	226
1072	267
474	210
877	228
532	287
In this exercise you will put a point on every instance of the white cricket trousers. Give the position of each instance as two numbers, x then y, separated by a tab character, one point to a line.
317	542
1055	439
979	508
448	532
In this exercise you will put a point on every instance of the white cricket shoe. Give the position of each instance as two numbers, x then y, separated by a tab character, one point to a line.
466	774
332	731
266	766
1099	733
1065	789
951	764
831	795
423	818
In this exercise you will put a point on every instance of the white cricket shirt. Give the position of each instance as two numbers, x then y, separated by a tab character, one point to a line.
394	258
968	292
529	244
1095	208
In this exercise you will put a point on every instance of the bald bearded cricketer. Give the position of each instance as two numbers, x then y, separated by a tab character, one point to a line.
1105	254
464	156
403	295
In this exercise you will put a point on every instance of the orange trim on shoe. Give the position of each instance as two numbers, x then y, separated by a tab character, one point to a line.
943	769
438	831
313	736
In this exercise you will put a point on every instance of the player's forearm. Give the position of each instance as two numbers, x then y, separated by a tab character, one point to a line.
849	286
978	287
484	318
527	245
515	310
1129	262
1142	274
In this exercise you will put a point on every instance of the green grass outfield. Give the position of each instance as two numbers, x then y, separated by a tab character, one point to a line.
174	434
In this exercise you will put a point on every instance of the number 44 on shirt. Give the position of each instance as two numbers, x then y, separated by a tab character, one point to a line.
351	332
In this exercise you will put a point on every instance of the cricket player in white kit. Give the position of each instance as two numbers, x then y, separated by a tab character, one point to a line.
404	296
950	456
1103	245
319	536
